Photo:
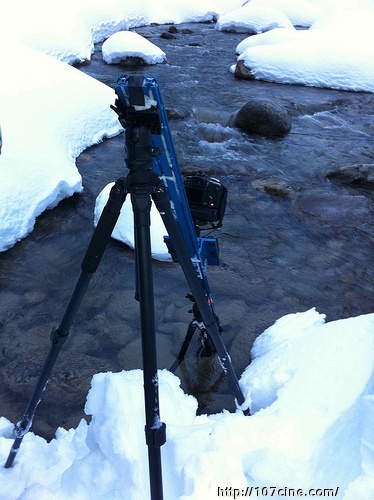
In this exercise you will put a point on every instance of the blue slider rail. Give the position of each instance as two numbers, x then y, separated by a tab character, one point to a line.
202	251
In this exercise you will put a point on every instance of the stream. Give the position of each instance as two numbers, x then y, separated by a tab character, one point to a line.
307	244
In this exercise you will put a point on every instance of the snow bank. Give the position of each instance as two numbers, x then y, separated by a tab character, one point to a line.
301	13
253	19
345	38
68	30
313	380
49	114
309	385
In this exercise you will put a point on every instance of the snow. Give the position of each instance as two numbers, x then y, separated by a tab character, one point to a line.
253	19
310	386
54	113
336	52
301	13
49	115
310	382
129	44
124	230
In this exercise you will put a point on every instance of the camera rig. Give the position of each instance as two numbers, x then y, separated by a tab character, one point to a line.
153	175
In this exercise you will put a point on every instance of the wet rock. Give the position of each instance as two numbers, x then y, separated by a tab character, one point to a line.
132	61
214	116
130	358
336	209
263	117
35	297
214	133
144	33
176	114
167	36
361	174
68	384
173	29
242	72
202	379
276	188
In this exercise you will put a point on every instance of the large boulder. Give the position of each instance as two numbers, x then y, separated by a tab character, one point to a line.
263	117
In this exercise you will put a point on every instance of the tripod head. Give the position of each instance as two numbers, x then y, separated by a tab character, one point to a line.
140	121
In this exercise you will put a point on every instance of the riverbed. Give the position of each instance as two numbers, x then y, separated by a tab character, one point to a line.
307	244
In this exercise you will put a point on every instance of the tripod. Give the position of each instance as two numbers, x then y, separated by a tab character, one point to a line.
144	185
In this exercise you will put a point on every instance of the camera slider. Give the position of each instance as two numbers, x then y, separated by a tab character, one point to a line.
199	201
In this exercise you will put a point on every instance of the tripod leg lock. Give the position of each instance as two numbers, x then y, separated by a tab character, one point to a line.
57	337
22	427
155	436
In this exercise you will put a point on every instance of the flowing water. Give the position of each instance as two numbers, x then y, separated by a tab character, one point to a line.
309	244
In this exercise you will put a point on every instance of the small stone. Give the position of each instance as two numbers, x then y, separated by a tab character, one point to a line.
173	29
360	174
35	297
167	36
276	188
242	72
176	114
132	61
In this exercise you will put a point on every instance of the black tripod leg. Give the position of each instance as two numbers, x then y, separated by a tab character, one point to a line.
155	430
59	335
182	353
202	301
